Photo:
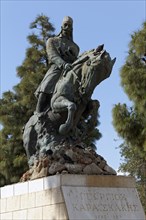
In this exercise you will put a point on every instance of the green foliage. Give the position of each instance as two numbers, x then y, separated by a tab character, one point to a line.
18	105
130	123
89	124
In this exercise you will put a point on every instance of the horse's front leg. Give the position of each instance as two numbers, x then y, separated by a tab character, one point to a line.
62	104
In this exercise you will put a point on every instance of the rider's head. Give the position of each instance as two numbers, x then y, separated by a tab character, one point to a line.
67	27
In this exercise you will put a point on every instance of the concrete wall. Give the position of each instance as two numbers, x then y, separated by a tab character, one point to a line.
38	199
72	197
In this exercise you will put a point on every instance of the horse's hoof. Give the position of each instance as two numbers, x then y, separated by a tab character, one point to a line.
63	129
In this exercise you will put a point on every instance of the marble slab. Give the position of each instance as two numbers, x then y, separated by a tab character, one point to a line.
98	203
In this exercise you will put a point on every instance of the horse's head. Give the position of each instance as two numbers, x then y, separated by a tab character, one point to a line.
97	68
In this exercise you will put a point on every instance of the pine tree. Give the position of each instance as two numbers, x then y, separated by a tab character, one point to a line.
130	122
18	105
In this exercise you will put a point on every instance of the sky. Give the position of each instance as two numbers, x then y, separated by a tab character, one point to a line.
95	22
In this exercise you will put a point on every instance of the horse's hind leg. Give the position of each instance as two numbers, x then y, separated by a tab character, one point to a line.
43	102
62	104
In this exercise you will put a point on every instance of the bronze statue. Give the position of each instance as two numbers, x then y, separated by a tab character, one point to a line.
70	98
73	91
62	52
65	114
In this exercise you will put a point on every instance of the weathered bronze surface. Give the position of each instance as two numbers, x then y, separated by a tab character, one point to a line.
65	113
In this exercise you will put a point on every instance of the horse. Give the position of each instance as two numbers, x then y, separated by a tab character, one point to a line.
71	97
74	89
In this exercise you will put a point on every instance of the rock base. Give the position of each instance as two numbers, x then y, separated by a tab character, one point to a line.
71	159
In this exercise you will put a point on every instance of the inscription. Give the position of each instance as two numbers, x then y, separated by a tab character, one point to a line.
101	196
105	207
103	203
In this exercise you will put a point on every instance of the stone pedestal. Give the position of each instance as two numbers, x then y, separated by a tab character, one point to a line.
72	197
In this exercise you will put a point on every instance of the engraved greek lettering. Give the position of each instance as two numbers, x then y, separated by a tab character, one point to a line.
102	196
95	208
135	208
88	206
89	196
82	208
81	196
129	207
110	207
117	208
75	207
105	207
123	208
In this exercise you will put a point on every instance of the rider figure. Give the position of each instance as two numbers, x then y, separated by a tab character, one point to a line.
62	52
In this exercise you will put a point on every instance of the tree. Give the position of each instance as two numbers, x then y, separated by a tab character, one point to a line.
18	105
130	122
